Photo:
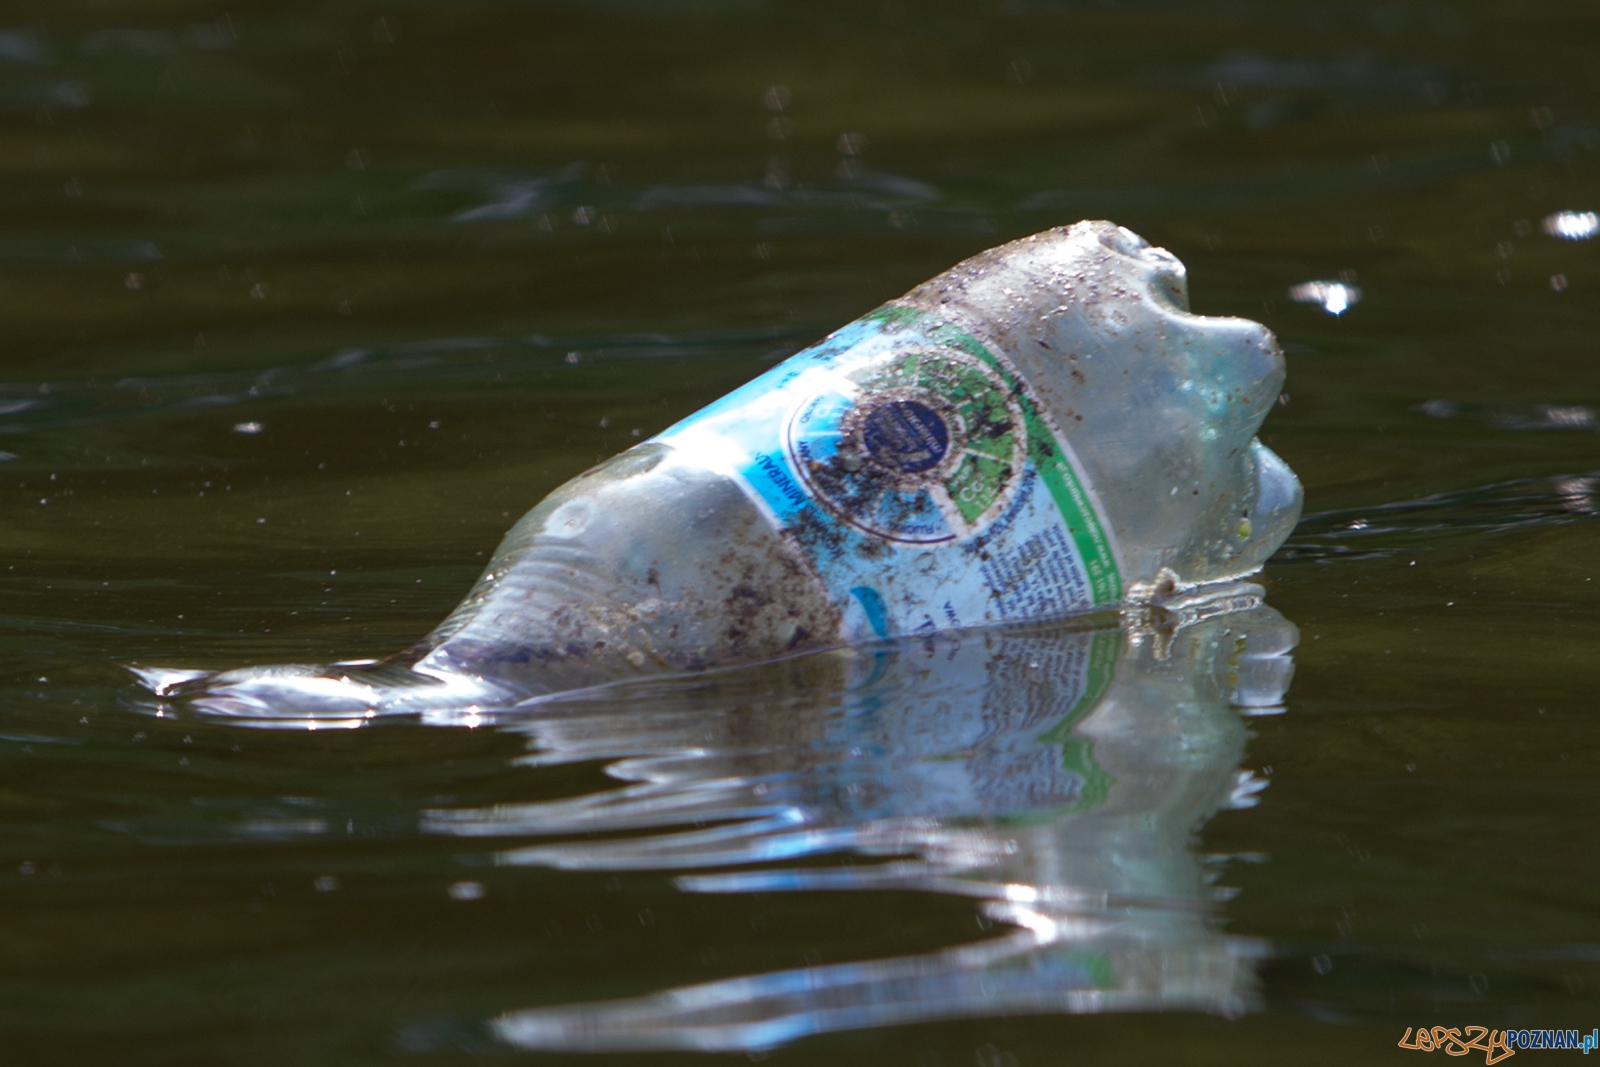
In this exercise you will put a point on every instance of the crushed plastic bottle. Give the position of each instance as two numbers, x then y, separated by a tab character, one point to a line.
1042	430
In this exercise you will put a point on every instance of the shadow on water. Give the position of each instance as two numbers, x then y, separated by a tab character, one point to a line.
1057	774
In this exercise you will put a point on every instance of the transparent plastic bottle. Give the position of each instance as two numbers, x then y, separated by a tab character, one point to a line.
1044	429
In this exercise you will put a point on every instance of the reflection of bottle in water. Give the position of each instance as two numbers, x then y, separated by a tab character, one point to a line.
1055	774
981	725
1041	430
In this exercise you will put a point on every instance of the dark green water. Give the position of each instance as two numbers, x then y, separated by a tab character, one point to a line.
446	255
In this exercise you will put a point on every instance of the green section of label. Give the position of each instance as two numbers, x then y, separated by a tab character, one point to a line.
1077	753
1098	966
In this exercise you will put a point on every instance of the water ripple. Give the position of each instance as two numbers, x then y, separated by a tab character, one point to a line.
1404	526
28	407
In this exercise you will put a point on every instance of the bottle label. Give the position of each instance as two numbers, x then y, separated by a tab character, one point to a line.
918	474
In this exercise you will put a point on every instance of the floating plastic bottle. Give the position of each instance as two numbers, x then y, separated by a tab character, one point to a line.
1042	430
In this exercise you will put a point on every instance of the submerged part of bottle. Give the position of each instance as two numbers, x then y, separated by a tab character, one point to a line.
1042	430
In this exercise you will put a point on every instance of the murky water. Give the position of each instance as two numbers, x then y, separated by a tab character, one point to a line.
305	303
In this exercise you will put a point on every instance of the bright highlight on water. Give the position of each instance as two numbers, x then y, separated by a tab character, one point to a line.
1333	297
1572	225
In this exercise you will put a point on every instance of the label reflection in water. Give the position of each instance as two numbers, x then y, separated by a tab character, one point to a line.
1056	774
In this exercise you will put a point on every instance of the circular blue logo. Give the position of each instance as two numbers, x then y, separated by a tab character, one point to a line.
905	436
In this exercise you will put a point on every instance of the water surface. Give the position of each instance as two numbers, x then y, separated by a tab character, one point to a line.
304	303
